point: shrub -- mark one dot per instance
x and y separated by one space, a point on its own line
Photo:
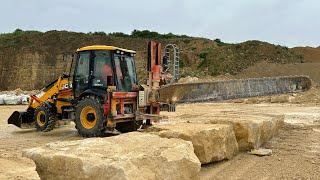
144 34
154 35
118 34
99 33
18 32
219 42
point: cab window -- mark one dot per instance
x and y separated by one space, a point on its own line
125 71
131 69
102 69
82 74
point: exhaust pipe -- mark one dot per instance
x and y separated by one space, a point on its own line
21 119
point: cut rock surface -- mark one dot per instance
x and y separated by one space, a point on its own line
211 142
252 130
128 156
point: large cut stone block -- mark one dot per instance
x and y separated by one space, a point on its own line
211 142
251 130
128 156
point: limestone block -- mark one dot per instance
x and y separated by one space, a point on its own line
211 142
127 156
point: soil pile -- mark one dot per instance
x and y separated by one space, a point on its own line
310 54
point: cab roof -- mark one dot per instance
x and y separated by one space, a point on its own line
104 47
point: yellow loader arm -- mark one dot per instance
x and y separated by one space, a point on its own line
46 94
55 89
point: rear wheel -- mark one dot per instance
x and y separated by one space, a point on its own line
90 121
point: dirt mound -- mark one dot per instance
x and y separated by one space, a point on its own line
310 54
235 58
265 69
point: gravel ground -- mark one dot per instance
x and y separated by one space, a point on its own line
296 150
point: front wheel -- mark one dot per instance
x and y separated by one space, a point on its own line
44 119
90 121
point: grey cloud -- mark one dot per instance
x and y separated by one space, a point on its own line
286 22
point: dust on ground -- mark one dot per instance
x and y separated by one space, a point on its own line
296 151
14 140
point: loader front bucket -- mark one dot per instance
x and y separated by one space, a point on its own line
21 119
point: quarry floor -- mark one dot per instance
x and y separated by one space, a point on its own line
296 150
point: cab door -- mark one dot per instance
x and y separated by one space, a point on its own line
125 72
81 78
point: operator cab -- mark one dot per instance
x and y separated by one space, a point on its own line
99 67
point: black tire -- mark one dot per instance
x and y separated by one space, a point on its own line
44 119
90 123
129 126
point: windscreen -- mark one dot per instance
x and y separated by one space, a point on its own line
102 69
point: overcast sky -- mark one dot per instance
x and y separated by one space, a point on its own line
285 22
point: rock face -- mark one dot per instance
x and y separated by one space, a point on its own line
252 130
128 156
211 142
30 59
31 70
